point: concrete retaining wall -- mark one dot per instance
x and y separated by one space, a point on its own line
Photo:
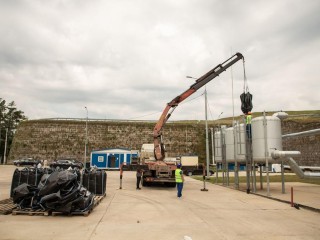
48 139
52 139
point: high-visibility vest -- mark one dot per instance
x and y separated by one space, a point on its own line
248 119
178 176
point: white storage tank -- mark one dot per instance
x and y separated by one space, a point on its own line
229 141
264 141
235 136
217 147
240 132
218 143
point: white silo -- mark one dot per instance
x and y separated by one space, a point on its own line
235 136
219 141
240 132
266 137
217 147
229 141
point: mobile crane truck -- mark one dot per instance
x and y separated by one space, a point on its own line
160 171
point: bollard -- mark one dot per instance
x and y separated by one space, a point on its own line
292 205
204 180
121 171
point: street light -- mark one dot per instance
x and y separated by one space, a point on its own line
219 119
7 129
207 134
206 121
221 145
192 77
86 141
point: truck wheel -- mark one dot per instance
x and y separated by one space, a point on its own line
170 184
144 183
189 174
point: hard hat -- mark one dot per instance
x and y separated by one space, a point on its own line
178 165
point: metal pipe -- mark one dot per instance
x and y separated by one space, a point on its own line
5 148
254 182
236 169
86 140
248 159
207 134
212 145
266 151
292 197
261 182
282 178
283 154
302 134
297 170
222 155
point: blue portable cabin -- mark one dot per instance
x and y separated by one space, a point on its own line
112 158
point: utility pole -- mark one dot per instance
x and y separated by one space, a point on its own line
86 141
5 148
212 144
7 130
207 135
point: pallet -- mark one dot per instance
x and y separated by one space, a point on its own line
96 201
31 212
85 213
6 206
82 213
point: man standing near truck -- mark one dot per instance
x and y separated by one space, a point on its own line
138 174
179 180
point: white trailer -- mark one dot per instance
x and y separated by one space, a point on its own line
189 160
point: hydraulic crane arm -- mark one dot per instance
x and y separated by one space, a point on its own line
159 150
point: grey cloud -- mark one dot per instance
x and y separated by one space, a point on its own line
124 58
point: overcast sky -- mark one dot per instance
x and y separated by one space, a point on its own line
125 59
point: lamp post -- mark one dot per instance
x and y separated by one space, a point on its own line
207 134
86 141
222 146
5 148
219 117
206 121
11 109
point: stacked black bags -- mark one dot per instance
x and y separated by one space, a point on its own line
95 181
58 191
29 176
61 192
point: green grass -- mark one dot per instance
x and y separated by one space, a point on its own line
275 178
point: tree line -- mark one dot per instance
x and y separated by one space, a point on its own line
10 117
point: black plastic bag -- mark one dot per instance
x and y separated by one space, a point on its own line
30 176
95 181
246 102
56 181
24 192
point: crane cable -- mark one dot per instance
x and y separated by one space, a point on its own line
245 82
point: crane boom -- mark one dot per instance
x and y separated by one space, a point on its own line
159 149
